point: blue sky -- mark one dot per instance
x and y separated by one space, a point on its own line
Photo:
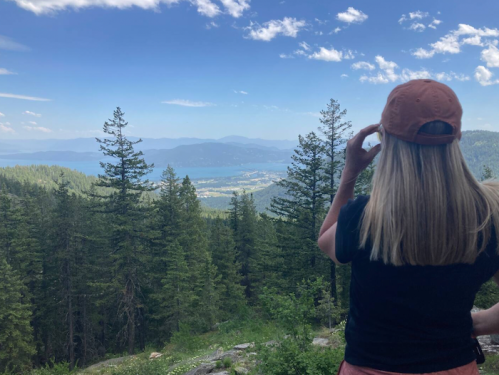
212 68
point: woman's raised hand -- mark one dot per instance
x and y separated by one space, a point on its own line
358 159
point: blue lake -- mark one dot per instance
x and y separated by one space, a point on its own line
93 168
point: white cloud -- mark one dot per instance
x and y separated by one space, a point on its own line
491 56
300 52
240 92
414 15
1 114
212 25
305 46
484 76
284 56
416 26
474 41
363 65
344 75
188 103
422 53
32 122
336 31
379 78
387 73
9 44
5 128
348 55
24 97
434 23
452 42
388 67
327 55
32 114
205 7
4 71
236 8
287 27
352 15
37 128
464 29
418 15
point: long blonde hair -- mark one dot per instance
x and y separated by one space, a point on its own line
426 208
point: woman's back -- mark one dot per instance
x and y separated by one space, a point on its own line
410 319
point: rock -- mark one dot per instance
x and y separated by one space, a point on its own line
252 353
219 355
241 371
155 355
270 343
203 369
320 341
494 339
220 373
244 346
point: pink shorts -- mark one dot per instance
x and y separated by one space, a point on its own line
348 369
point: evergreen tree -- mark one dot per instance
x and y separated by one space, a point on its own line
336 132
243 218
487 173
178 294
268 261
222 249
305 207
194 241
127 231
16 334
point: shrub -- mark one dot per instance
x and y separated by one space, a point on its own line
227 362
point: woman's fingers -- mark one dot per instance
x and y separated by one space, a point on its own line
359 139
371 154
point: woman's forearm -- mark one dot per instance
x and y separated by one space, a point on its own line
486 322
344 193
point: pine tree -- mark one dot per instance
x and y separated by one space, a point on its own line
487 173
194 241
336 132
305 207
222 249
16 334
268 261
127 230
243 218
178 294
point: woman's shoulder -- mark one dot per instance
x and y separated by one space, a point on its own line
356 205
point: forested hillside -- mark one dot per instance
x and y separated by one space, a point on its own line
47 176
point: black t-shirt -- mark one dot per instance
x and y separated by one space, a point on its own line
408 319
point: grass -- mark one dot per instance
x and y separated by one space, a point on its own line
491 365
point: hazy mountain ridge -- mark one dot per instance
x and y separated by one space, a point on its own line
90 144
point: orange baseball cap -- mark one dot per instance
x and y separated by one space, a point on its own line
417 102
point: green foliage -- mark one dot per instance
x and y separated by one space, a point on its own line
184 340
491 365
227 362
218 364
16 334
290 357
61 368
488 295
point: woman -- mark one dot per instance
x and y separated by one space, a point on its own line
420 246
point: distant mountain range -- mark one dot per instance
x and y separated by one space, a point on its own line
90 144
479 148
